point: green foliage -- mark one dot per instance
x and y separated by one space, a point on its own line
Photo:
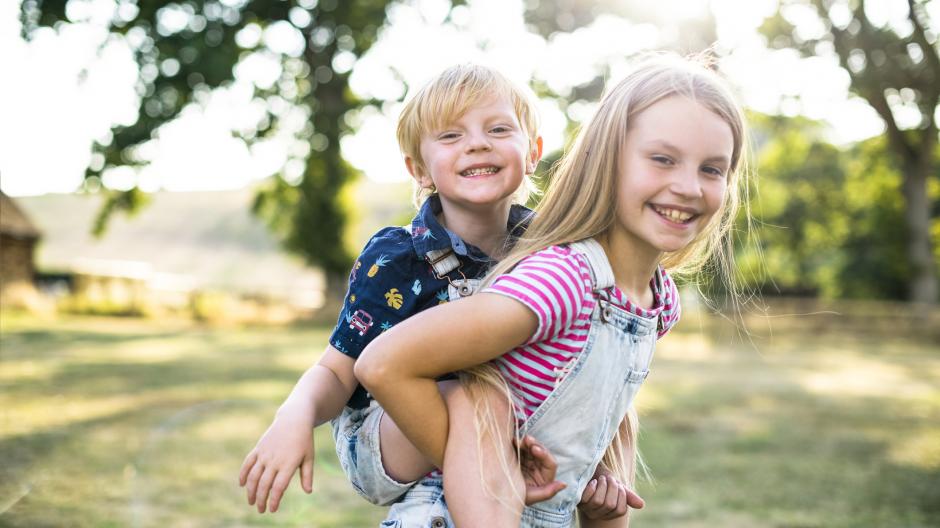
830 222
892 66
179 66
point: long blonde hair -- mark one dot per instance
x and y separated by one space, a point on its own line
581 202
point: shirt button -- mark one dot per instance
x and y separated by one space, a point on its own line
438 522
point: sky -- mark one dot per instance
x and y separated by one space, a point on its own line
59 94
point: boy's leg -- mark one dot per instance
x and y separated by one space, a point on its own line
359 447
481 494
400 458
380 462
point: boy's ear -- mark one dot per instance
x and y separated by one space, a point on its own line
534 156
414 168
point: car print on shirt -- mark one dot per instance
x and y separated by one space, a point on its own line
361 321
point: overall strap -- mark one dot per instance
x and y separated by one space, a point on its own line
443 261
601 272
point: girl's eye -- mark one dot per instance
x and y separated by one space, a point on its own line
713 171
500 129
662 160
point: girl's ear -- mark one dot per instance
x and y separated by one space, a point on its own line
534 156
418 173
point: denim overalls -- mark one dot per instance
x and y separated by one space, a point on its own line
580 417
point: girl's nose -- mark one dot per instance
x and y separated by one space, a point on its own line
687 184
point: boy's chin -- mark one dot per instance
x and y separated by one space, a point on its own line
480 200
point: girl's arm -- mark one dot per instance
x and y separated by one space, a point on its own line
399 368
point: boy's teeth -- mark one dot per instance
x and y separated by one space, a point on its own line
477 172
673 214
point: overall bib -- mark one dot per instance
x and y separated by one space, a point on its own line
580 417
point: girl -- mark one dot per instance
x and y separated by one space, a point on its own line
470 139
650 184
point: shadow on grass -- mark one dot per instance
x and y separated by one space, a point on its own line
728 444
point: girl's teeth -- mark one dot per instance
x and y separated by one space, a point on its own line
477 172
674 215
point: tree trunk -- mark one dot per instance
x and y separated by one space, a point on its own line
923 282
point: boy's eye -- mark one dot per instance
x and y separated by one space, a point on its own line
500 129
448 135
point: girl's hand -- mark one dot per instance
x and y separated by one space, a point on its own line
268 468
606 498
538 470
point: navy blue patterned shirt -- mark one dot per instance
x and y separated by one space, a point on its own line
392 279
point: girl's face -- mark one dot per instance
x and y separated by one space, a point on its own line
673 170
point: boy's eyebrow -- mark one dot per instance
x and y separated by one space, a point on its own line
662 143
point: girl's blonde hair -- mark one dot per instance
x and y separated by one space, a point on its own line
581 201
450 95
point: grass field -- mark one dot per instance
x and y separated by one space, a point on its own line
122 422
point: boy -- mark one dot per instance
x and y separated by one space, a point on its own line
469 139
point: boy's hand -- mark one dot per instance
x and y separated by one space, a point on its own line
606 498
538 470
268 468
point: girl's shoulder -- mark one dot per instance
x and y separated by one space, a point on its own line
557 255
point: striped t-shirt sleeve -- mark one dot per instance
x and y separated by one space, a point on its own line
551 283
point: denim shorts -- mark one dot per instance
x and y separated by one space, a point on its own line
422 507
356 433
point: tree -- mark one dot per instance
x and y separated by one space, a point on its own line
895 68
186 48
801 208
831 221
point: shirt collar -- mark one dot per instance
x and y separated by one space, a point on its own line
427 234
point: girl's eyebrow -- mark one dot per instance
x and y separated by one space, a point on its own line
663 144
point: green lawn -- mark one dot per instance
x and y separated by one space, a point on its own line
122 422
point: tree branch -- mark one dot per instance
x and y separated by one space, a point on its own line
920 35
872 92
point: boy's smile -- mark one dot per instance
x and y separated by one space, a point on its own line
477 159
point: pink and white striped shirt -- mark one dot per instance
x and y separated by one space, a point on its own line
555 284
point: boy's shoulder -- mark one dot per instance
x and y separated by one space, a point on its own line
390 246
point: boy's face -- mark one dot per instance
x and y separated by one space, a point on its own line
479 158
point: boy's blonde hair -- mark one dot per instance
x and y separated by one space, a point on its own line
581 201
451 94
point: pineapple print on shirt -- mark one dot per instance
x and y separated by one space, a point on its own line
379 263
442 296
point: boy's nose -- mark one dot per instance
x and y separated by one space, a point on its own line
477 142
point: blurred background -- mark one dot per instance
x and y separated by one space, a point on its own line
185 185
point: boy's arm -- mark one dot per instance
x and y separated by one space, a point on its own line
399 368
319 396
